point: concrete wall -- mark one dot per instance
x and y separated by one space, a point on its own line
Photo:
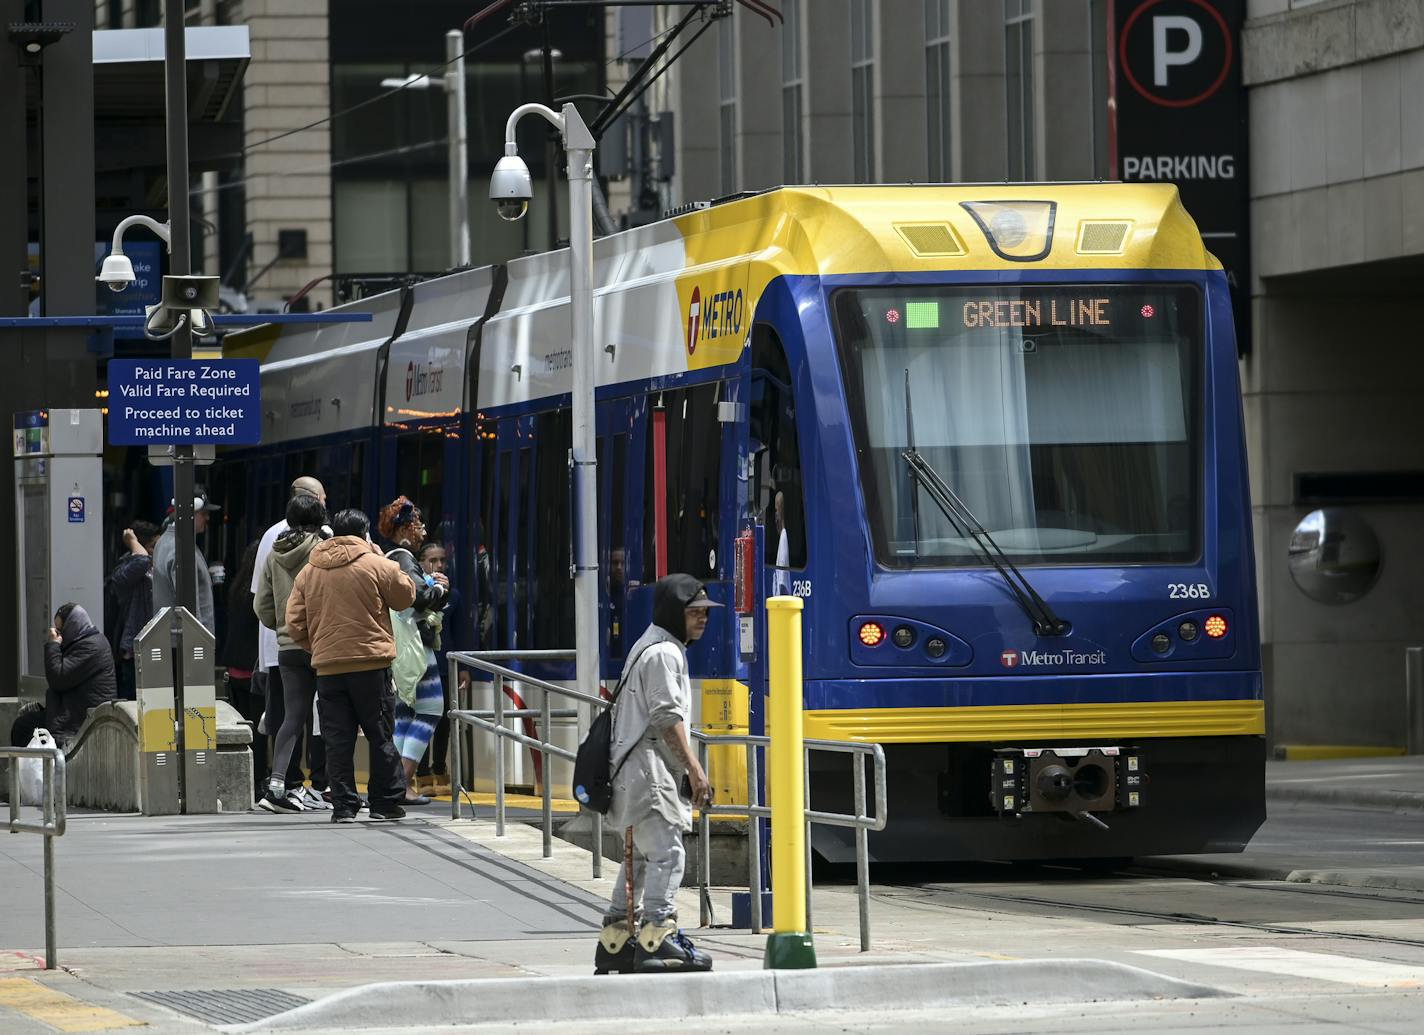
1336 380
288 186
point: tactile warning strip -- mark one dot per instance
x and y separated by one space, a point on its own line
226 1005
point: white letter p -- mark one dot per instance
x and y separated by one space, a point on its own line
1162 58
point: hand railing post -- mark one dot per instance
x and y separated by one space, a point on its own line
862 852
499 756
53 778
704 850
453 763
548 786
806 769
753 839
597 845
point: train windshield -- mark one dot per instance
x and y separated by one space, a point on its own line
1065 418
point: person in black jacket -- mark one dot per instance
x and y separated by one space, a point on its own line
79 665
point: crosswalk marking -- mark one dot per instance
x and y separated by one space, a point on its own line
59 1011
1271 959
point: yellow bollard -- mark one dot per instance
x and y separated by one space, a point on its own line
790 946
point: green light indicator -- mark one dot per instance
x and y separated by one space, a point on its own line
922 315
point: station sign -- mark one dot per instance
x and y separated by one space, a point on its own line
184 402
1179 116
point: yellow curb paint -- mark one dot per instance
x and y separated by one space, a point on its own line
61 1012
1322 752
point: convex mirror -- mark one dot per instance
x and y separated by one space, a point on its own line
1334 556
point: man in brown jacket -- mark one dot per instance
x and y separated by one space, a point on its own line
337 612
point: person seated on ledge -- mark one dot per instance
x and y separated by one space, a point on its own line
79 665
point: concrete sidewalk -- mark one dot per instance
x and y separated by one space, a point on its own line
1384 783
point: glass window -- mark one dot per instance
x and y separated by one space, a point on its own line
693 473
862 89
486 610
791 88
777 487
551 583
1018 87
937 74
727 85
1063 417
420 475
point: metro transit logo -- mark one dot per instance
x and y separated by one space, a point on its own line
1009 659
694 320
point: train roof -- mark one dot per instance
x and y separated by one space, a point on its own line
651 280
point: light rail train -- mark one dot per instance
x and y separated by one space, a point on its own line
991 435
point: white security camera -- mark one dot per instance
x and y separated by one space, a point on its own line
511 187
117 272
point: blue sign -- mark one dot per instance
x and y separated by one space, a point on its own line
184 402
76 510
147 287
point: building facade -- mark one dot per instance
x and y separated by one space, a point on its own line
993 90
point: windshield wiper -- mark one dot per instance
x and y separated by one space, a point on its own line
1045 622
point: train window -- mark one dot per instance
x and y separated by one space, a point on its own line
420 475
552 611
486 609
615 560
692 471
1066 417
777 485
500 557
521 531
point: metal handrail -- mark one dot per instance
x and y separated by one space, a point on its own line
756 812
52 803
492 721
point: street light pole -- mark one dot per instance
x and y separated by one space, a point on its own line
459 162
579 144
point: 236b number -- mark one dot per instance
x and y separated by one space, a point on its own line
1188 591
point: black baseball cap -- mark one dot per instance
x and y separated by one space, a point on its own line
701 599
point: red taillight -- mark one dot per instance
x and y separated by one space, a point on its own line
1215 627
872 634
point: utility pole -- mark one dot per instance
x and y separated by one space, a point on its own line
175 61
459 161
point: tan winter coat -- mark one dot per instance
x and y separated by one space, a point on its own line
338 608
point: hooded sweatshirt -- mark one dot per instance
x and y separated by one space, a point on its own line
274 586
338 607
656 696
80 672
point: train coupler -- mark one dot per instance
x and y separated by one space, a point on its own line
1075 781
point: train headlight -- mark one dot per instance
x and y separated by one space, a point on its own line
904 636
1215 627
935 647
1161 643
1188 631
872 634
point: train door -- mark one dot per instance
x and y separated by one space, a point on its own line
620 502
777 491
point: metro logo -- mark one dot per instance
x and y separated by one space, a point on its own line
719 316
694 320
1009 659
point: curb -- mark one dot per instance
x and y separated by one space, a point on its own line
420 1004
1396 801
1404 879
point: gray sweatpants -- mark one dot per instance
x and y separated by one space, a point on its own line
658 861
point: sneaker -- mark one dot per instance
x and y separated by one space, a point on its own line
343 817
295 797
616 950
269 803
313 801
674 953
387 812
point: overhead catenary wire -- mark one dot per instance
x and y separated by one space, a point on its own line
370 156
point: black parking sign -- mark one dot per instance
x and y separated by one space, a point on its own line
1179 116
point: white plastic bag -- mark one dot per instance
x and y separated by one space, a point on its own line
32 770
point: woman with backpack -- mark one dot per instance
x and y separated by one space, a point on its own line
418 707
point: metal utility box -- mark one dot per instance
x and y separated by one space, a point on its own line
59 491
157 731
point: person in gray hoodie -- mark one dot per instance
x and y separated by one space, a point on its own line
305 517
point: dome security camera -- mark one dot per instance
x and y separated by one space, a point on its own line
511 187
117 272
